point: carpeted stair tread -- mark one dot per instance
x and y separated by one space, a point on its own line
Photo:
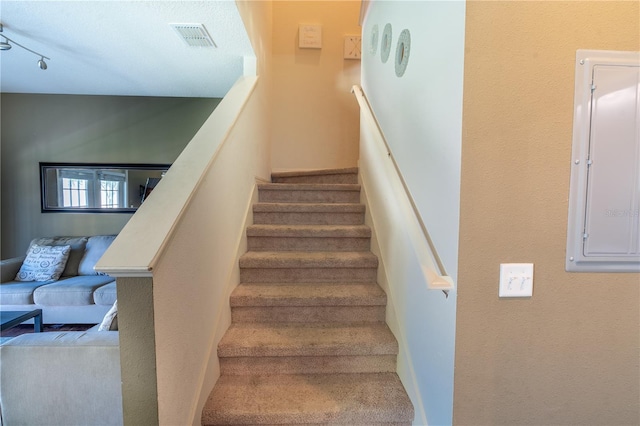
276 259
308 208
313 339
308 295
308 213
308 193
309 186
314 398
309 231
348 175
319 172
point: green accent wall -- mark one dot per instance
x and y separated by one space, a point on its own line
71 128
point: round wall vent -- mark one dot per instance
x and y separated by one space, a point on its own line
385 48
402 52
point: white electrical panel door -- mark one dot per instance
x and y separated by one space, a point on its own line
604 211
611 223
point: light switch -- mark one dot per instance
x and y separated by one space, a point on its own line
516 280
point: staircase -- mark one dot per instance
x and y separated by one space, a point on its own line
308 343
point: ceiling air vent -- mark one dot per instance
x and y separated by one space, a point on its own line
195 35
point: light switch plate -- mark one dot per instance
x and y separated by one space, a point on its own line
516 280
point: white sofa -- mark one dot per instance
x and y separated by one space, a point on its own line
80 296
61 378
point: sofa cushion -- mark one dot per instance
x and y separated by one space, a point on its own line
105 295
70 291
43 263
96 246
77 244
62 378
19 293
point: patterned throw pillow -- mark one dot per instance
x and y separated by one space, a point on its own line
43 263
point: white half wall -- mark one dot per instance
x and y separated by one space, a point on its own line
420 115
422 320
421 112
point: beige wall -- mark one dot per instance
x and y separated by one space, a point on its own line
569 354
315 118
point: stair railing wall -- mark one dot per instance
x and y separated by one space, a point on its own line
432 267
421 319
178 259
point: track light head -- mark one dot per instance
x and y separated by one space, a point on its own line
4 45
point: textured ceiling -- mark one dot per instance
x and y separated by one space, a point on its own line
121 48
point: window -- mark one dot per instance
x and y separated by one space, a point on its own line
75 192
85 188
109 191
112 189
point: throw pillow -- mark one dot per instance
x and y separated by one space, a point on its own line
96 246
110 320
77 244
43 263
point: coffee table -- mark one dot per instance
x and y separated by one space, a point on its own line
9 319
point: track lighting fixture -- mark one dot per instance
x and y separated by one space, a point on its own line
4 45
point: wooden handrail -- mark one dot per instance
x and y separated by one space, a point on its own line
437 279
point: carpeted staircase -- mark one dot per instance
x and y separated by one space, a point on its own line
308 343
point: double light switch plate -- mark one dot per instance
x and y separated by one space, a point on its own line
516 280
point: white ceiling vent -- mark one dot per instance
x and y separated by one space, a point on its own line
195 35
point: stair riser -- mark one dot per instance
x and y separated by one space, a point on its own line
349 178
285 218
338 294
307 275
306 314
333 424
319 196
308 365
310 350
364 419
371 417
308 244
290 260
